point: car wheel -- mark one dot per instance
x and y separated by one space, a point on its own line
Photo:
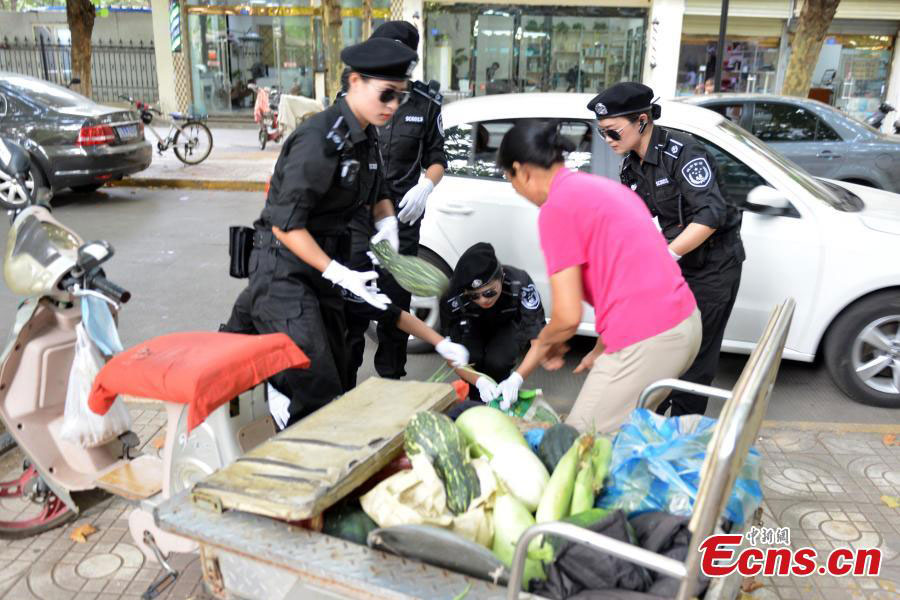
862 350
425 308
87 189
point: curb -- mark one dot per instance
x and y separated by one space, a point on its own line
823 426
191 184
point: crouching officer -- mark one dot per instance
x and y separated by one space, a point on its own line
411 142
680 183
494 311
326 171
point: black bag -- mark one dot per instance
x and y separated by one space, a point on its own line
240 244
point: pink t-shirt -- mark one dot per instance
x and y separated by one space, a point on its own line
634 285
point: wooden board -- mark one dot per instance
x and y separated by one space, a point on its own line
314 463
136 479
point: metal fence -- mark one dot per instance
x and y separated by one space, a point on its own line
116 67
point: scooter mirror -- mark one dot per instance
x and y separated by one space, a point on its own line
92 254
14 160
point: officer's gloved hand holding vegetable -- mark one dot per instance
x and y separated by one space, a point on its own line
361 284
388 229
412 207
455 354
509 389
487 389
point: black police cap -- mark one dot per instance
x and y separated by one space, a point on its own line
622 99
381 58
402 31
475 268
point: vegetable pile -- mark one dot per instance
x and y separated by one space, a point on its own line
494 486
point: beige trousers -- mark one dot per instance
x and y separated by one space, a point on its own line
616 380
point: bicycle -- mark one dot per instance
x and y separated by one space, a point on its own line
191 141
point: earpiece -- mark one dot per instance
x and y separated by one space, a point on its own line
642 126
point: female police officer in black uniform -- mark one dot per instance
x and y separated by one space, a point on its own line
679 182
412 141
328 168
494 311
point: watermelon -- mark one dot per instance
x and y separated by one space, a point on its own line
415 275
349 522
555 443
435 436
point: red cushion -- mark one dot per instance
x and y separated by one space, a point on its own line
201 369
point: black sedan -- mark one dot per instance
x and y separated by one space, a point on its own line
73 141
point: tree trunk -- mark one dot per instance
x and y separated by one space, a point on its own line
80 15
812 25
334 42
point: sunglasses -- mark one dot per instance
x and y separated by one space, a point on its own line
486 294
611 134
388 95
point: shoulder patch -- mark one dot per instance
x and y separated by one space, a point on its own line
440 124
697 172
531 299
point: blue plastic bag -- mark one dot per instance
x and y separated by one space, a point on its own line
534 438
100 325
656 464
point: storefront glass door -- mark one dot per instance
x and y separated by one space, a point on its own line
494 64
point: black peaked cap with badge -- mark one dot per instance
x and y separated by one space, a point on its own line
475 268
402 31
622 99
381 58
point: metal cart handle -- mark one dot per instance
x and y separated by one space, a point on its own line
682 386
604 543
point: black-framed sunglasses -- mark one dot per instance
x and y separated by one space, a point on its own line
388 95
486 294
611 134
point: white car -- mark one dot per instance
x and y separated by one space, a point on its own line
834 247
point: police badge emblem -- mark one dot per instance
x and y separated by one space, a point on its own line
476 283
697 172
600 109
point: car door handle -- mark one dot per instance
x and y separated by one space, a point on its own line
455 209
827 154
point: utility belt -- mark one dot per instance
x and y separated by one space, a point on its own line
242 240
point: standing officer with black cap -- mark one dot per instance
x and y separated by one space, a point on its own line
412 141
680 183
326 171
494 311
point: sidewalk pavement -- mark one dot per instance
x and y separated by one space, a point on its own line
235 163
833 485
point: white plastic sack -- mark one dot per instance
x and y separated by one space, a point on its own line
81 425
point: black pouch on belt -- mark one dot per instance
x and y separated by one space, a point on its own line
240 244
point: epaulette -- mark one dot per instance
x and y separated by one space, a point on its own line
671 147
430 90
338 137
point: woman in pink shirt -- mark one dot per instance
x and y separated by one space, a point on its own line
601 246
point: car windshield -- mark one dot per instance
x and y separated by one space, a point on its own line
46 93
833 195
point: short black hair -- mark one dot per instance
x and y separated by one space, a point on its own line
533 141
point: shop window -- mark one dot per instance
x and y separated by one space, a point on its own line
739 178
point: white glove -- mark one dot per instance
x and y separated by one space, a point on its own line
509 388
388 229
279 406
675 255
455 353
488 390
412 207
361 284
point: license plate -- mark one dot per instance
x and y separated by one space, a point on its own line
127 132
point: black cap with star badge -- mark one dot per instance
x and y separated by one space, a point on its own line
381 58
624 99
402 31
476 267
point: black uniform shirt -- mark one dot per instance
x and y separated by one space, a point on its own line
519 301
413 140
680 183
326 170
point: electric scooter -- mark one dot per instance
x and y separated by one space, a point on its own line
270 129
50 265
